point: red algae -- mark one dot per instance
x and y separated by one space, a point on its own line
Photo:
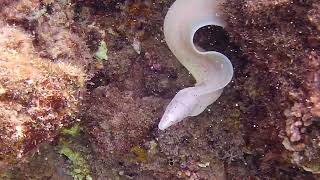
37 97
236 138
281 40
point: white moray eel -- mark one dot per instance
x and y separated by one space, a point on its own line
211 70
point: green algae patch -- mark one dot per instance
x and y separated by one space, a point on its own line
141 154
101 54
71 147
80 168
73 131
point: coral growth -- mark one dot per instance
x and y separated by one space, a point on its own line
37 96
117 137
282 39
57 36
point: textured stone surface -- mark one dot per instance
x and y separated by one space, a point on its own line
281 39
37 97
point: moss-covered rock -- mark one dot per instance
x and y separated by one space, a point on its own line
281 40
37 97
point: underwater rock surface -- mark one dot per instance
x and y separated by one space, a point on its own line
281 38
37 97
235 138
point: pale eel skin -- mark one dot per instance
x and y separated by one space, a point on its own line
211 70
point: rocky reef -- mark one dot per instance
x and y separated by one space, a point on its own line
262 127
281 38
37 97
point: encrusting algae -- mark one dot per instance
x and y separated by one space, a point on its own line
236 138
281 38
37 97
